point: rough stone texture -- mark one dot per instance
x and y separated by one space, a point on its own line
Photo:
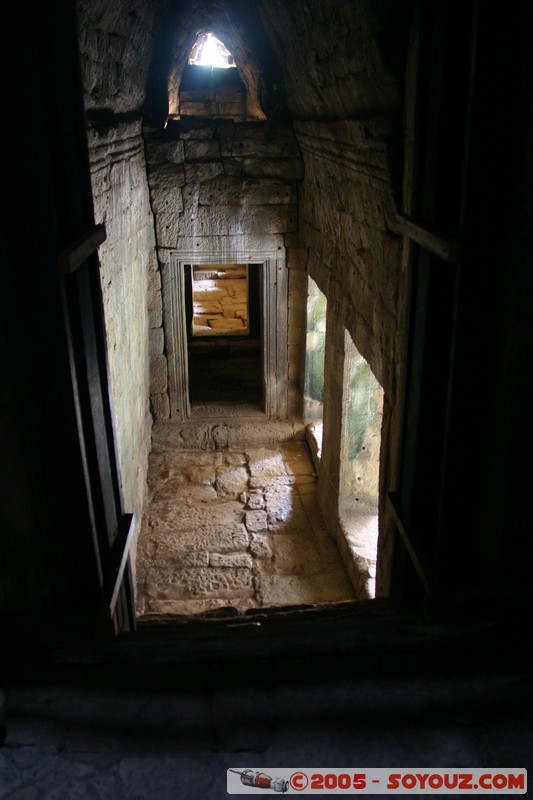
115 50
217 186
339 59
347 207
221 433
214 183
121 202
79 734
219 531
157 341
220 196
158 374
160 406
347 211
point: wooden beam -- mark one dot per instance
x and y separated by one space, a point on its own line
114 571
74 256
441 246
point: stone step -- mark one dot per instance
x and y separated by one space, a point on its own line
250 427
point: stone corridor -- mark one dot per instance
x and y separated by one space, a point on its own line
233 527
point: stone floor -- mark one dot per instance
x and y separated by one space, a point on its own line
238 527
172 735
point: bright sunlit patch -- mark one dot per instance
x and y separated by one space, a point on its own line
208 51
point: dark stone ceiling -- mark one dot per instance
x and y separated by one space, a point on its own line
305 59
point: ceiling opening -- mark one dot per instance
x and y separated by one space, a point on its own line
209 51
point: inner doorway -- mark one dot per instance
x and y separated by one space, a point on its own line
272 286
223 322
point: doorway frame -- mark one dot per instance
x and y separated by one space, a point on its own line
274 339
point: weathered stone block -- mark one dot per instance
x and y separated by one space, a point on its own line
158 374
200 559
200 172
202 150
224 516
198 108
290 169
223 244
258 482
231 481
255 501
196 96
265 463
168 224
256 521
167 200
223 582
236 111
207 537
193 129
230 94
155 316
184 493
282 590
282 505
154 300
158 152
160 406
233 167
166 176
243 560
265 141
228 221
261 547
157 341
232 191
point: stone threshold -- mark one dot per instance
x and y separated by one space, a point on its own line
209 431
201 411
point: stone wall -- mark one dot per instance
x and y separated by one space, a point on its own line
347 210
115 48
343 67
228 102
347 213
121 202
115 44
221 190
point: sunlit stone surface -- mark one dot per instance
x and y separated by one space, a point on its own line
238 528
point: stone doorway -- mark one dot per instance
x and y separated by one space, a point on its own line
265 343
224 334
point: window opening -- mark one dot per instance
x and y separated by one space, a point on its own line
314 366
209 51
210 84
362 413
